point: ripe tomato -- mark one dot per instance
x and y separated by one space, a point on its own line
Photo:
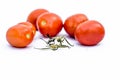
49 24
32 17
71 23
90 32
19 35
28 24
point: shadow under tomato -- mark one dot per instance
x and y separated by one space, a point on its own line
13 47
82 45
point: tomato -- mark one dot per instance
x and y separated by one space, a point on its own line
49 24
19 35
89 33
28 24
71 23
32 17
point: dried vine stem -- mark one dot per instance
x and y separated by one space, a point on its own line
56 42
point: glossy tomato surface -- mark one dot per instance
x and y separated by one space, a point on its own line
19 36
32 17
71 23
30 25
49 24
89 33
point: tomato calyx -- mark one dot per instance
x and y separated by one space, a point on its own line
56 42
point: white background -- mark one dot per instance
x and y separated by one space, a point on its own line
100 62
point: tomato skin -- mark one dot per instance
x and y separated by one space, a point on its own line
89 33
71 23
32 17
28 24
19 36
49 24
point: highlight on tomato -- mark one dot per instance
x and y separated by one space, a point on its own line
71 23
49 24
19 35
30 25
32 17
89 33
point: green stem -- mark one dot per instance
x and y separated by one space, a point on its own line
68 42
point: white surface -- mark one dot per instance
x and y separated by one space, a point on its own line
101 62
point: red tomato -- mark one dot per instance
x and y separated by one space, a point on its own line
19 35
71 23
28 24
32 17
90 32
49 24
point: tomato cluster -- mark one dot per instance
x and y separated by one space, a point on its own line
78 26
85 31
